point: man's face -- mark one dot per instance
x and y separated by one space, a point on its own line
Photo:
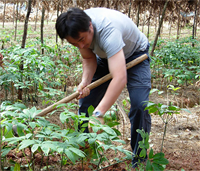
85 39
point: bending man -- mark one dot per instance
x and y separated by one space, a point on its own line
107 40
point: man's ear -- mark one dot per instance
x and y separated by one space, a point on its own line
90 26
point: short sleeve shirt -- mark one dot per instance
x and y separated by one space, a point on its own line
114 31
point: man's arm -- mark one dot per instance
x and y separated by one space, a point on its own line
89 66
117 67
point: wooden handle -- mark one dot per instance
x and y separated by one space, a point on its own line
90 86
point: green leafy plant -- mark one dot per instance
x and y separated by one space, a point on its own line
176 61
165 112
155 161
44 138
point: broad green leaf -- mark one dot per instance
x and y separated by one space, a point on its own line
63 117
109 130
120 141
173 108
20 105
90 110
41 136
20 128
162 161
81 139
55 135
28 135
77 152
50 144
106 147
26 143
13 140
153 90
35 147
151 154
45 149
61 105
32 125
8 134
112 124
158 155
91 140
5 151
157 167
143 153
17 167
148 166
186 110
117 131
153 110
70 155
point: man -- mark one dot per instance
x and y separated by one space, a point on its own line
107 40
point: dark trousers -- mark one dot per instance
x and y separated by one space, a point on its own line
138 85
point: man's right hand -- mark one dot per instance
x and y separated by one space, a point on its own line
83 90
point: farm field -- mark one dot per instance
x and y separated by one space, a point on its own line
59 72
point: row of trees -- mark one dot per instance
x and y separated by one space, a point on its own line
178 13
149 9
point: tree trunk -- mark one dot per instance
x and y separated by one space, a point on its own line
149 19
138 14
159 19
194 24
57 17
129 11
160 25
197 18
75 3
144 17
4 12
178 23
36 15
42 28
108 4
116 4
170 25
19 11
61 10
26 24
23 45
16 19
95 3
13 14
102 3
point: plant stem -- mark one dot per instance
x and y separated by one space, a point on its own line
113 164
99 162
165 130
62 159
23 151
41 162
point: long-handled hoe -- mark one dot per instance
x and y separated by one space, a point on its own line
90 86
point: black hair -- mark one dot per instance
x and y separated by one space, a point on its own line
72 22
